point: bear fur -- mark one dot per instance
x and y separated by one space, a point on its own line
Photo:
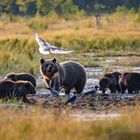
67 75
130 81
21 76
110 81
19 89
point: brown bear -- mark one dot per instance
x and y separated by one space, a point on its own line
67 75
21 76
10 89
130 81
110 81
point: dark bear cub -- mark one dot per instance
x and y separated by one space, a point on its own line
110 81
130 81
67 75
10 89
21 76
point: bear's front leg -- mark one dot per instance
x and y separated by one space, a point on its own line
47 82
25 100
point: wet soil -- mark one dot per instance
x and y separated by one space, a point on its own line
93 102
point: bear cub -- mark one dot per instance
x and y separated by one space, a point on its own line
67 75
130 81
10 89
21 76
110 81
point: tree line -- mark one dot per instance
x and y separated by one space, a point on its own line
63 7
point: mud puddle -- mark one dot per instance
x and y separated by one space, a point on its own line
90 116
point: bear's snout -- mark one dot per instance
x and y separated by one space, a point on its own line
33 91
49 69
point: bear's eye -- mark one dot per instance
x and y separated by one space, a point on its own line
46 65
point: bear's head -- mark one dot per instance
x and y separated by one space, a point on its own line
48 68
123 79
22 88
104 83
11 76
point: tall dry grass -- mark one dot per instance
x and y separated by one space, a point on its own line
36 123
118 34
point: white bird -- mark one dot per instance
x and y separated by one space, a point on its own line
46 48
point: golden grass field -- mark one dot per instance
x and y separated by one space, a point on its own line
35 123
118 34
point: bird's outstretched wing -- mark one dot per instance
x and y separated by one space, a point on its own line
57 50
44 51
46 48
41 42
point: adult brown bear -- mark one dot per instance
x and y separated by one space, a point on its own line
130 81
67 75
10 89
110 81
21 76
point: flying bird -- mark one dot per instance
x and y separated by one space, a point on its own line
46 48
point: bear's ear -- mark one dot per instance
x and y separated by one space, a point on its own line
105 79
42 61
54 60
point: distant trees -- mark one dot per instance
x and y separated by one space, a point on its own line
109 5
26 7
43 6
7 7
63 7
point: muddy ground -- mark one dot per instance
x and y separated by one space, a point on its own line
95 101
88 107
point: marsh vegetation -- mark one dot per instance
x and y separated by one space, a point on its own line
18 43
117 35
